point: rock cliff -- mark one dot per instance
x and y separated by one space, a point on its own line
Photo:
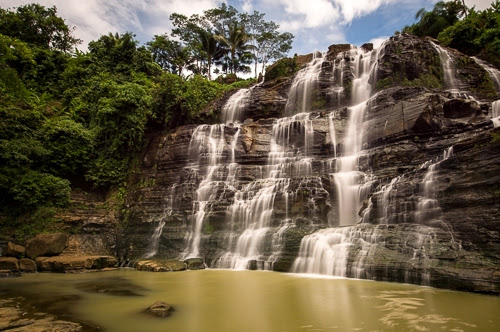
269 191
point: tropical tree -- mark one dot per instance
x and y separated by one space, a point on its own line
37 25
443 15
170 54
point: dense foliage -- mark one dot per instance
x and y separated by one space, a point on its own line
455 25
71 119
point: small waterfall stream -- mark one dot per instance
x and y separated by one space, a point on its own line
495 113
303 86
493 72
450 81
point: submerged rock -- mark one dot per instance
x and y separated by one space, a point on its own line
160 309
111 286
46 245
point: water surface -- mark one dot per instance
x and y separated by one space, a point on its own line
222 300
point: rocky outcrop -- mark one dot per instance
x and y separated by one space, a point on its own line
9 264
46 245
160 266
14 250
75 263
195 264
27 265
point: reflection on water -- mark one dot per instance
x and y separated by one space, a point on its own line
221 300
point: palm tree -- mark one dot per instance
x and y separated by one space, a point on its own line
210 46
236 45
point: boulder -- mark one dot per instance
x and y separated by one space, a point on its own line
14 250
195 263
27 265
9 264
461 108
46 245
75 263
160 309
160 265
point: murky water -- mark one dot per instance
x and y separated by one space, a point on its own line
222 300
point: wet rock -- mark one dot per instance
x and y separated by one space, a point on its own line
16 315
461 108
367 47
14 250
46 245
9 264
112 286
195 263
252 264
160 265
27 265
160 309
75 263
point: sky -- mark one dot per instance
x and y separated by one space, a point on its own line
316 24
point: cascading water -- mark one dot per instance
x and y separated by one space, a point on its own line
208 147
155 238
450 81
428 206
338 76
348 179
493 72
326 251
233 110
253 205
495 113
303 86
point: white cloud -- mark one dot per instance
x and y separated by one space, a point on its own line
93 18
378 41
480 4
247 6
308 14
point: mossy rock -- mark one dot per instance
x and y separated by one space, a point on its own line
285 67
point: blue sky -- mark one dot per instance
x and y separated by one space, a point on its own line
316 24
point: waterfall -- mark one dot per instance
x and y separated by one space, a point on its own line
327 251
331 131
253 206
495 113
493 72
233 109
450 81
167 212
348 179
384 212
208 147
428 206
338 76
304 85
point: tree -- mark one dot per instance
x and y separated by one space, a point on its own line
37 25
236 46
171 55
443 15
268 43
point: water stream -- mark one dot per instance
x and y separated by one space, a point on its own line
450 81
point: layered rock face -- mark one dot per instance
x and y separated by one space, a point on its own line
365 163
